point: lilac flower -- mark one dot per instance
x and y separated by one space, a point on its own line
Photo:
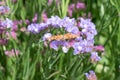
11 53
46 36
80 5
70 43
87 46
91 75
75 7
64 44
69 25
54 21
4 9
70 9
27 21
82 46
35 18
7 23
14 1
23 29
34 28
12 34
2 30
77 48
50 2
44 16
56 44
2 3
43 26
66 22
3 41
87 24
72 29
15 25
88 28
65 49
94 57
99 48
56 1
20 22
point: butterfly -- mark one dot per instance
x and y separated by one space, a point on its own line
66 36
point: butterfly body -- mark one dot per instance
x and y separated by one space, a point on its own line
66 36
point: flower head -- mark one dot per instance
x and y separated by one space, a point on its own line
44 16
3 41
4 9
7 23
54 21
35 18
46 36
91 75
94 57
80 5
34 28
11 53
70 9
99 48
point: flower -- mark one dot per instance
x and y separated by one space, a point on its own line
55 44
2 3
77 48
65 49
2 30
70 9
80 5
75 7
46 36
82 45
94 57
34 28
7 23
54 21
83 28
88 28
91 75
27 21
4 9
56 1
3 41
35 18
14 1
99 48
12 34
50 2
44 16
11 53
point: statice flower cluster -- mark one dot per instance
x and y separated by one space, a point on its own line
83 42
55 22
36 28
8 29
4 10
75 7
7 23
51 1
91 75
12 52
